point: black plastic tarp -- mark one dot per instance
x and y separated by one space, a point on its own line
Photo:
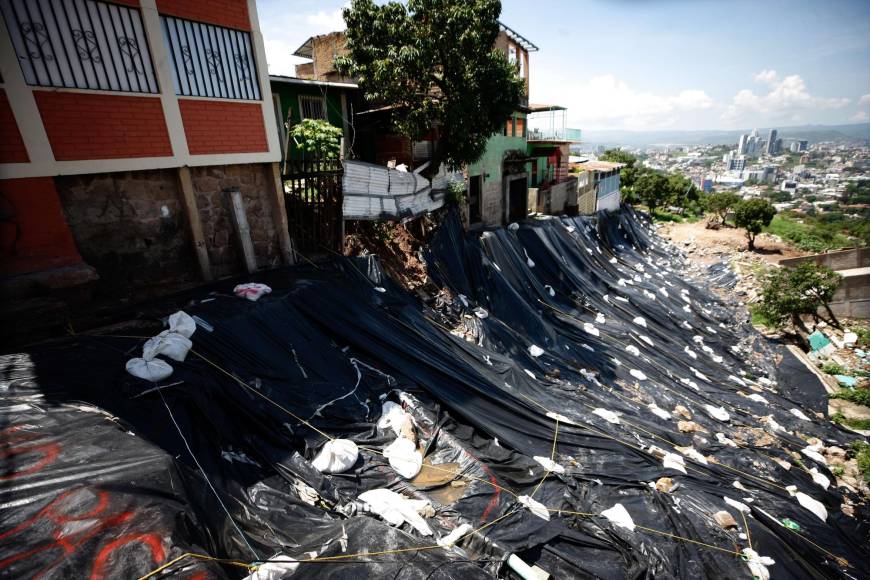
552 327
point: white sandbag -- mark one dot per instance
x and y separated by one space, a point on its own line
590 328
404 457
692 453
396 509
820 478
812 452
738 505
451 538
813 505
549 464
150 370
758 564
182 323
619 516
639 375
274 570
674 461
799 414
393 416
717 412
658 411
337 456
536 350
608 416
721 438
633 350
169 344
535 507
640 321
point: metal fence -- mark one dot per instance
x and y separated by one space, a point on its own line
313 198
80 44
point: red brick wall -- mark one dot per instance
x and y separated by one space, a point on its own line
37 236
229 13
12 148
88 126
223 127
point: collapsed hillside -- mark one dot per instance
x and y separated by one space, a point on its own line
578 400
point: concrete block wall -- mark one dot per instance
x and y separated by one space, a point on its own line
842 260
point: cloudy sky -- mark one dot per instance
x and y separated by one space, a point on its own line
664 64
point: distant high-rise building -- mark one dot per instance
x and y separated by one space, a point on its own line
735 162
749 144
771 142
741 144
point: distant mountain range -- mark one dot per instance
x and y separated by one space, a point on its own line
812 133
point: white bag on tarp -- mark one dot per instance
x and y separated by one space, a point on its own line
404 457
396 509
337 456
182 323
393 416
169 344
150 370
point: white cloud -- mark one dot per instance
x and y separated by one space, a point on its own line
861 117
864 100
786 99
327 20
607 100
767 76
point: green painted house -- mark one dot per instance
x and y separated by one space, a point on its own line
295 99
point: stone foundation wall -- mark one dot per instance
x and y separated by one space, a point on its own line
131 228
256 184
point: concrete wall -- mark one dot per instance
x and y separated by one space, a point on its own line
842 260
555 199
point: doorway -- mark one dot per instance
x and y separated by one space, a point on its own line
475 187
517 198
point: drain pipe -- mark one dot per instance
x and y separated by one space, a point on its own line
525 571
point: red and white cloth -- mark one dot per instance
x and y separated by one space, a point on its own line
252 291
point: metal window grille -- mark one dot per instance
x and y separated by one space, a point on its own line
210 61
80 44
312 107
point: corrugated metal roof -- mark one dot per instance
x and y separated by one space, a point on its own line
373 192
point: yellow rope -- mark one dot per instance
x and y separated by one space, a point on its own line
746 527
198 557
259 394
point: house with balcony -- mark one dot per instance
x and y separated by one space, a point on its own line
552 189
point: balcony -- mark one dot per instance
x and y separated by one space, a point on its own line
548 123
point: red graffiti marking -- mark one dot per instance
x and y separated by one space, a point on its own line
152 541
12 448
68 526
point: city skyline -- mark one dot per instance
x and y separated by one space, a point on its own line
657 65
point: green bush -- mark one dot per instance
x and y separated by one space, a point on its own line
861 452
859 396
833 369
814 235
317 137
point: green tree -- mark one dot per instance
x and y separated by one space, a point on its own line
652 189
317 137
753 216
787 293
435 60
721 202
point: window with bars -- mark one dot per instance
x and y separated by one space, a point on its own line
80 44
210 61
312 107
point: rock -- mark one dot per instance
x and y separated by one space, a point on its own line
848 510
688 426
834 451
664 484
681 410
725 520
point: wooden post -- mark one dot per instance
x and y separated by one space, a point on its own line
279 216
243 230
188 197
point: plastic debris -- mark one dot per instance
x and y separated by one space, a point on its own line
607 415
451 538
535 507
396 509
757 564
251 291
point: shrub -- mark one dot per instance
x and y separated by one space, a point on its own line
833 369
317 137
858 396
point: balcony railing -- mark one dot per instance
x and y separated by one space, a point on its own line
562 134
